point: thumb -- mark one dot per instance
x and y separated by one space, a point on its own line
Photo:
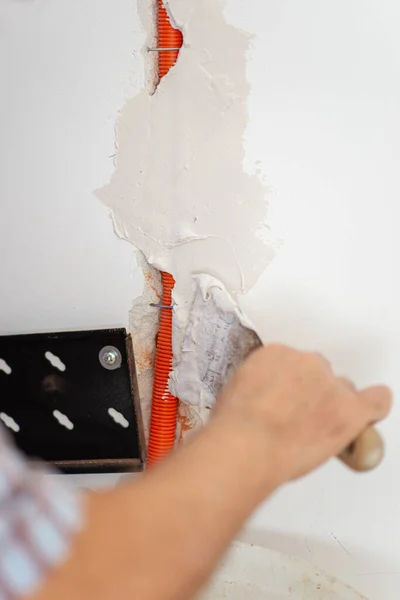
379 401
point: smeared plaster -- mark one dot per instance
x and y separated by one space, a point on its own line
179 191
217 338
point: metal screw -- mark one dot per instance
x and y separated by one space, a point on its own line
110 358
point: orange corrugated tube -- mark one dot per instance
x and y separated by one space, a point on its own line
168 37
164 405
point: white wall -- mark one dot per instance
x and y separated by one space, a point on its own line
324 124
66 68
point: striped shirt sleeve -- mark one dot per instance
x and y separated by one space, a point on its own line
39 517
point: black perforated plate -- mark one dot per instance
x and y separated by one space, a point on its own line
84 392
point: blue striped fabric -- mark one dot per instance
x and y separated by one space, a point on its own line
38 518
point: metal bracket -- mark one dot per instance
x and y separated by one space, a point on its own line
71 399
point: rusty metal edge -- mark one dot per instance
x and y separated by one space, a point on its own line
124 465
135 392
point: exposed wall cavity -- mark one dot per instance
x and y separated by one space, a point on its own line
179 192
143 325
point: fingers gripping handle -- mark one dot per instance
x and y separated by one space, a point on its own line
366 452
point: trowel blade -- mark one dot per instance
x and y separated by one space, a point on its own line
217 340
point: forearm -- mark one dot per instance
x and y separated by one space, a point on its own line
282 414
161 537
209 490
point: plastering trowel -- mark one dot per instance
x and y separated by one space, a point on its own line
217 340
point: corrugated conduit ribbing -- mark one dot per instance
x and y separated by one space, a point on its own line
164 405
168 37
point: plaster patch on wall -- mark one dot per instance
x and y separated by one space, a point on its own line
179 192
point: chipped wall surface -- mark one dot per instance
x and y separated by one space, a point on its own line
179 191
181 194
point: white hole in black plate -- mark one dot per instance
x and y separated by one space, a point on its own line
9 422
55 362
118 418
5 367
63 420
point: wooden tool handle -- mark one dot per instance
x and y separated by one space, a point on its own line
366 452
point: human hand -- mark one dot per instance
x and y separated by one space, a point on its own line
306 414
